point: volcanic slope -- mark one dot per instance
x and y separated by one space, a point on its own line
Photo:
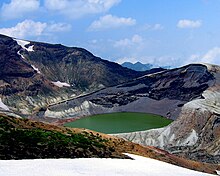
163 93
34 75
27 139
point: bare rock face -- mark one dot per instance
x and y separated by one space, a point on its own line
77 67
162 93
196 132
18 80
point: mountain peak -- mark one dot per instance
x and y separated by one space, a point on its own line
138 66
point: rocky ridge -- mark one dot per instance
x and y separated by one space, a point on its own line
162 93
34 75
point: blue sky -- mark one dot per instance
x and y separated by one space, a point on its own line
160 32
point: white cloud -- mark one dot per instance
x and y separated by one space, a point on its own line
153 27
161 61
109 21
57 4
212 57
127 59
18 8
79 8
31 28
136 39
166 60
25 28
157 27
58 27
189 24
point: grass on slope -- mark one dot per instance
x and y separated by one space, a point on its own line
20 142
121 122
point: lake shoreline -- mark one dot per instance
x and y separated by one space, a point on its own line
120 122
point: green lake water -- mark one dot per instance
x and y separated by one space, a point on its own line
120 122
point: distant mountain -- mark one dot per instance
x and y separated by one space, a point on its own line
138 66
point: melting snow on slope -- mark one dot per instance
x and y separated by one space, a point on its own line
3 106
30 48
35 68
93 167
22 43
20 55
61 84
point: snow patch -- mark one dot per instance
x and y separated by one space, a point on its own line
100 86
20 55
3 106
140 166
217 152
30 48
35 68
61 84
22 43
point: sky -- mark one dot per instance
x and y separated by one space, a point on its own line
161 32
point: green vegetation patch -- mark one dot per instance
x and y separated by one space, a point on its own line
17 142
121 122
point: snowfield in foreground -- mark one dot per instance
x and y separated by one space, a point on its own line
94 167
